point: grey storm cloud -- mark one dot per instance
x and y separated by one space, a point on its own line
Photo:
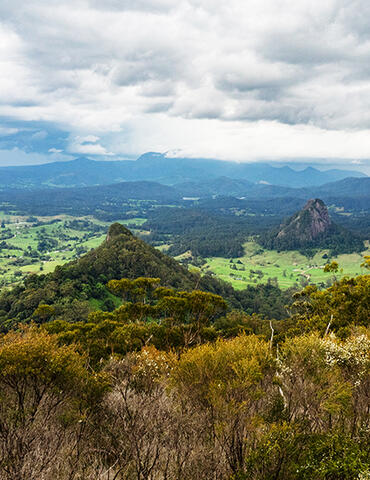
105 66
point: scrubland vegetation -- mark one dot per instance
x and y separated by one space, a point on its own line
173 384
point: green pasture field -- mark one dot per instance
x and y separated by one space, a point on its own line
134 221
25 236
289 268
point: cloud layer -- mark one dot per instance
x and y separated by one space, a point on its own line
233 79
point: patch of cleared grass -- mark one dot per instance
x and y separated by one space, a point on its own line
289 268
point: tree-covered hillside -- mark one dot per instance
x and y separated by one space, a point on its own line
78 287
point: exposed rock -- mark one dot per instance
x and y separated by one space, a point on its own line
310 222
312 228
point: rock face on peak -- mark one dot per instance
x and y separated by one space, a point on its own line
312 228
309 223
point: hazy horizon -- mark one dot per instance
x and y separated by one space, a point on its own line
297 165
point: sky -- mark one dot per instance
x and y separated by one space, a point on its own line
244 80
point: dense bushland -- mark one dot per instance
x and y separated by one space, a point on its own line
233 409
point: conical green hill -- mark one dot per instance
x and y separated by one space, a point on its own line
74 288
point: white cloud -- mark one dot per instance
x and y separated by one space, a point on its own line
88 139
90 149
235 79
16 156
239 140
40 135
88 145
8 131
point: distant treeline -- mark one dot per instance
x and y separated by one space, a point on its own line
337 240
205 234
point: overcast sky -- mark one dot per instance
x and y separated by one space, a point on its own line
238 80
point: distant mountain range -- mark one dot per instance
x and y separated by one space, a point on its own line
348 187
159 168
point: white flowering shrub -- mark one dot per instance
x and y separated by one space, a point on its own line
353 353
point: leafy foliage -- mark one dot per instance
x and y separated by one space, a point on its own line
46 390
345 303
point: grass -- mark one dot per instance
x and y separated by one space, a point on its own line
71 243
289 268
135 221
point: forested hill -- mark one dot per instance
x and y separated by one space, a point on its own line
78 287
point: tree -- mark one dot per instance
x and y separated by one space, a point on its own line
228 382
139 289
331 267
366 262
47 394
44 312
345 303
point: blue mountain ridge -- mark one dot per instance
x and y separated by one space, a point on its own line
162 169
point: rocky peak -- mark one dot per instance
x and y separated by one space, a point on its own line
310 222
312 228
320 220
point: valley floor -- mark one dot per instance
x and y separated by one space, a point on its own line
288 269
39 244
